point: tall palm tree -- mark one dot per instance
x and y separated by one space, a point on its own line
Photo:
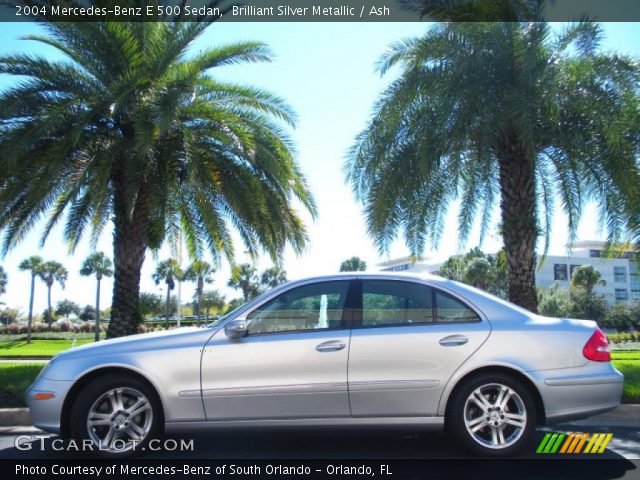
3 280
134 127
587 277
51 272
245 278
32 265
500 113
212 300
272 277
168 271
200 272
353 264
100 265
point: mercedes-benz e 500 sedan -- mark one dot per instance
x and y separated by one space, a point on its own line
356 349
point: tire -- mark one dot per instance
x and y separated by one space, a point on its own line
487 427
124 413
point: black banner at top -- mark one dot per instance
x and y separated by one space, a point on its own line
319 10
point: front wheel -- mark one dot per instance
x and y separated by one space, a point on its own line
119 414
493 415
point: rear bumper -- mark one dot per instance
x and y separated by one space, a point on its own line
571 394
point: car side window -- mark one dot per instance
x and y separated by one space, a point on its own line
391 303
450 309
309 307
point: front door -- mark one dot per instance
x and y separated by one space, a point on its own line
409 341
292 363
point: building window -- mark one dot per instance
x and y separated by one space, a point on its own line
559 271
620 274
635 294
595 253
621 294
634 276
573 269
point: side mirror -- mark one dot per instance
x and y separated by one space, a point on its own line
236 329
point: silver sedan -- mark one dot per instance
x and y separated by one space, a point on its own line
354 349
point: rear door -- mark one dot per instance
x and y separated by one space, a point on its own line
408 341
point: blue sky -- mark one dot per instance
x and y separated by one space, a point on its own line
326 73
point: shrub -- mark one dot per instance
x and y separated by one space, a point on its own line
624 337
39 327
619 317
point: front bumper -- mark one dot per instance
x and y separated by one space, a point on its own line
47 414
570 394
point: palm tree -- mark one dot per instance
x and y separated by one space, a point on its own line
587 277
3 281
245 278
168 271
500 113
353 264
132 127
212 300
200 272
476 268
32 265
100 265
272 277
51 272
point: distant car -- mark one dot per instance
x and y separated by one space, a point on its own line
349 349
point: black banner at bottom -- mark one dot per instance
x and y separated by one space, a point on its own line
319 469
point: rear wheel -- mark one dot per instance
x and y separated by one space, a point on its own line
119 414
493 415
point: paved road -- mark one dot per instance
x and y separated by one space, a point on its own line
381 445
368 443
389 443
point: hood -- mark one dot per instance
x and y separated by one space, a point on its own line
139 341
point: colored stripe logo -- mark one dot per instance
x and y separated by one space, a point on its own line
574 443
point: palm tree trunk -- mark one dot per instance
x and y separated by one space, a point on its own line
130 238
199 302
97 335
519 220
166 319
50 317
29 323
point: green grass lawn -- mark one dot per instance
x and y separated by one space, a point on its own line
631 371
626 355
14 380
37 348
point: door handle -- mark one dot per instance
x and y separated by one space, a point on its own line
453 340
330 346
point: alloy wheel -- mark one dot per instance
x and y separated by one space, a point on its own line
495 416
119 419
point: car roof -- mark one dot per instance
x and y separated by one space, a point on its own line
368 274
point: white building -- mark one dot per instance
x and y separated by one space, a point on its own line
621 275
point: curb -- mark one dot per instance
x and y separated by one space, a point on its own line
10 417
26 357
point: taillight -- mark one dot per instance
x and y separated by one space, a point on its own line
597 348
